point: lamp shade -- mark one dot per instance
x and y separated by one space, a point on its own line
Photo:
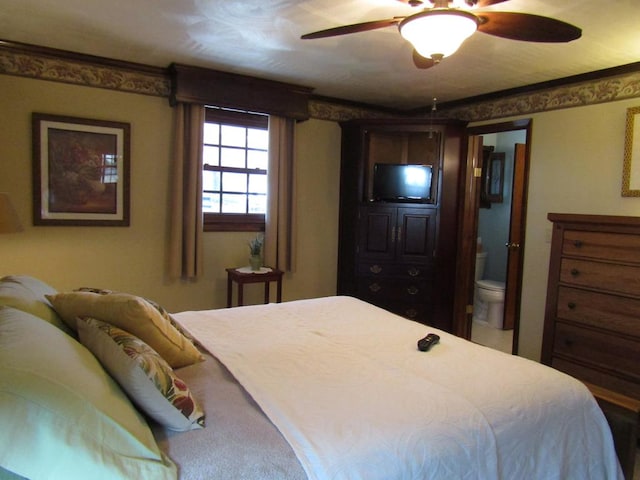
438 33
9 221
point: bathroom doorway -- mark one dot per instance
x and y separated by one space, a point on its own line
493 226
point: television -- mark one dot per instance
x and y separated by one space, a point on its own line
394 182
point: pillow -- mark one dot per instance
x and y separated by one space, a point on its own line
132 314
166 315
28 294
62 415
143 374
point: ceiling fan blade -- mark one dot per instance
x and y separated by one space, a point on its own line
354 28
486 3
526 27
422 62
470 3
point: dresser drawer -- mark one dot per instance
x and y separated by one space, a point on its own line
601 245
608 352
597 377
610 312
600 275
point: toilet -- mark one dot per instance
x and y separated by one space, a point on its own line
488 305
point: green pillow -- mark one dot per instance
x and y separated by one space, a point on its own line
28 294
62 415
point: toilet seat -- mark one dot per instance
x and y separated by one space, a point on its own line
493 285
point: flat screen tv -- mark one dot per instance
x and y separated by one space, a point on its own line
401 183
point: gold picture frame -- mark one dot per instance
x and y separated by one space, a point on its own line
631 167
80 171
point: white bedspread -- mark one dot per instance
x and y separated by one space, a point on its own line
345 384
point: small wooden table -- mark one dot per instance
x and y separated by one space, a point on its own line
264 275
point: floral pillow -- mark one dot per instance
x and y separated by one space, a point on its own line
143 374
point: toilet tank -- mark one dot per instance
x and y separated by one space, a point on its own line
481 259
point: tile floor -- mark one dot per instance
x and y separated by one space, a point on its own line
492 337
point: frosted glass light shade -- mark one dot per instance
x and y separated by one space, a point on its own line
438 33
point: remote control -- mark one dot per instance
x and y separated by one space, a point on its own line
424 344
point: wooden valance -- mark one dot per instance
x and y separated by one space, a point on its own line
222 89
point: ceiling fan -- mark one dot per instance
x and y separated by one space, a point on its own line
438 30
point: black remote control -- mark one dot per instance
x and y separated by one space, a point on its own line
424 344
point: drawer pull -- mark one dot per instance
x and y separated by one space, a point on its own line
411 313
571 306
413 290
568 342
577 243
413 271
575 272
375 287
375 269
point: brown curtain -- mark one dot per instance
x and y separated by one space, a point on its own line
279 248
185 242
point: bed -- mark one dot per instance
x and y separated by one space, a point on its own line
334 388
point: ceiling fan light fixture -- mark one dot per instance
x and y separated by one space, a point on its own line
438 33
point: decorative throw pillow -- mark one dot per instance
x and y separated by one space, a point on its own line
133 314
161 310
62 415
143 374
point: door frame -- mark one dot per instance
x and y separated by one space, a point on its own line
468 226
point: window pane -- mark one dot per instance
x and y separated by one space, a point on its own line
257 159
232 157
234 182
210 155
232 203
233 136
257 138
211 133
257 203
210 180
258 184
211 202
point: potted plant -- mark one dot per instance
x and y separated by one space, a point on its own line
255 251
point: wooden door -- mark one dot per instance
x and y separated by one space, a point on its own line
515 245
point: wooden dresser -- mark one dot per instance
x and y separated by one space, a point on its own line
592 317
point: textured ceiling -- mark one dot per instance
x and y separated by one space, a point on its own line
262 38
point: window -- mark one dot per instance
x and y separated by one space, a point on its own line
234 176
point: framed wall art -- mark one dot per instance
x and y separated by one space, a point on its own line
494 177
80 171
631 169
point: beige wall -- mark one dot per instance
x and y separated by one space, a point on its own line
576 167
132 258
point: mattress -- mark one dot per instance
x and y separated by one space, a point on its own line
335 388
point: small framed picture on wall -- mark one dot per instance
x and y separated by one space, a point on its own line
80 171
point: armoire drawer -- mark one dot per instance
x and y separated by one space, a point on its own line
600 275
394 269
609 352
602 245
395 289
609 312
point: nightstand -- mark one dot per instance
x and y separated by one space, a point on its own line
243 275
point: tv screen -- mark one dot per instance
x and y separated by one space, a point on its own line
401 183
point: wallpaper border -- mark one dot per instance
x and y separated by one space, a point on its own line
98 72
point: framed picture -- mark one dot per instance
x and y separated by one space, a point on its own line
631 168
494 177
80 171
